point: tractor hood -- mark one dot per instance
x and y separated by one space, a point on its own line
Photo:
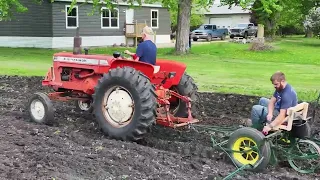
69 57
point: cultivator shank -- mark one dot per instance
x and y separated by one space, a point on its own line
164 117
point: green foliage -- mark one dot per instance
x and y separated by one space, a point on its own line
313 21
9 7
275 13
195 19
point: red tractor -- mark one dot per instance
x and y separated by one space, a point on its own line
125 96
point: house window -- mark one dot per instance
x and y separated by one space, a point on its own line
72 20
154 18
109 18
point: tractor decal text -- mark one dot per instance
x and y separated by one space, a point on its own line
80 60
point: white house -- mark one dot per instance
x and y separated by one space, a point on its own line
49 25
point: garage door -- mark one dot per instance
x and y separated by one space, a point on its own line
221 22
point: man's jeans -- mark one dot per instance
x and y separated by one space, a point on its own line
259 113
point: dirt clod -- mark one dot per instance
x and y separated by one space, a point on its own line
74 148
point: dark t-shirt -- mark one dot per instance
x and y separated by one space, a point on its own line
147 52
286 98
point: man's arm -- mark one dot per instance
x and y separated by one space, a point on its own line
285 104
271 105
279 119
139 51
135 56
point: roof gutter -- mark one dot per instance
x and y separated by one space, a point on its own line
119 3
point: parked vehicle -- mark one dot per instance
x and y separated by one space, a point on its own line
243 30
209 31
220 33
205 31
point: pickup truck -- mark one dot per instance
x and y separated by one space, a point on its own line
209 31
243 30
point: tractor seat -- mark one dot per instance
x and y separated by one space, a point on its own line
156 69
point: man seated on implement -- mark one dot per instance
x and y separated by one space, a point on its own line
274 111
146 50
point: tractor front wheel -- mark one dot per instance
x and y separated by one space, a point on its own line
40 109
248 146
125 104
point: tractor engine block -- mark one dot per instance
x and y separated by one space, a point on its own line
65 74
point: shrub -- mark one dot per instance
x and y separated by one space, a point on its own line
257 45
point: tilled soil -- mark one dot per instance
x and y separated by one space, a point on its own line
74 148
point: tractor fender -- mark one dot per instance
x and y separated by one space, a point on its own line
145 68
172 66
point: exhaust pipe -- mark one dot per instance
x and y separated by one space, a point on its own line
77 41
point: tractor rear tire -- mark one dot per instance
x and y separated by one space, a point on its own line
40 109
244 136
134 101
186 87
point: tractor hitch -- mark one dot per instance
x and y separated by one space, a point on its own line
164 117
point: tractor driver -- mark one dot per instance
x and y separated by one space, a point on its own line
147 50
273 111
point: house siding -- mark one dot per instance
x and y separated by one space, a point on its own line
144 14
36 22
90 25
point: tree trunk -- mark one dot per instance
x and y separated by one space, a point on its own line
260 35
270 28
309 33
183 28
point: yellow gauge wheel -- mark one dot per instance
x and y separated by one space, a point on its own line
255 147
250 156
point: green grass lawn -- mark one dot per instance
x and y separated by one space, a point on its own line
216 67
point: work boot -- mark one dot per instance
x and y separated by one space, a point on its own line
246 122
258 126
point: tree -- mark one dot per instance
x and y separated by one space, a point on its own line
295 13
195 20
273 13
313 21
7 7
183 9
264 12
